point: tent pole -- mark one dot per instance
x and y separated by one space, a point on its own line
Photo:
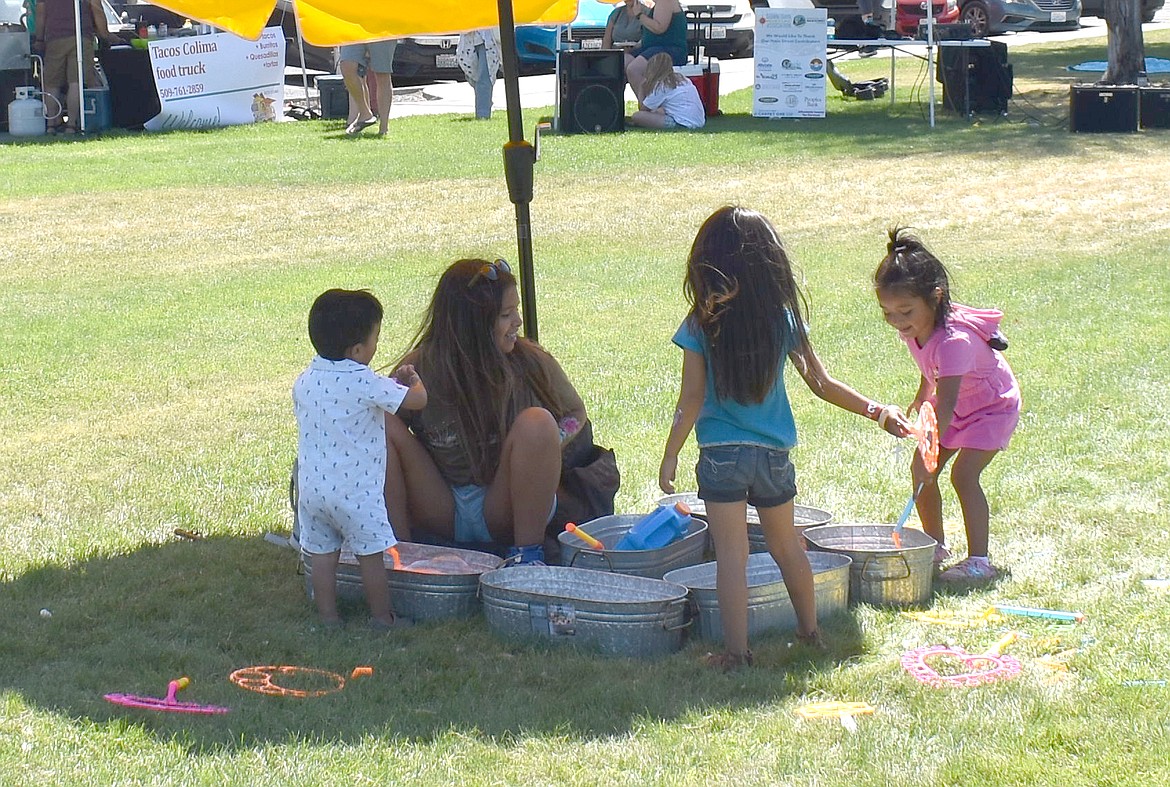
304 69
519 158
79 122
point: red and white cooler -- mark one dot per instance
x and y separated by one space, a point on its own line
706 79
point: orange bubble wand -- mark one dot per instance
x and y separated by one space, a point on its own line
926 430
588 539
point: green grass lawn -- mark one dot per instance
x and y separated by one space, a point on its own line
153 297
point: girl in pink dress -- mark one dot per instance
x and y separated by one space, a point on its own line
966 378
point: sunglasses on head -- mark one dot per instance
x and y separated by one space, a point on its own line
490 271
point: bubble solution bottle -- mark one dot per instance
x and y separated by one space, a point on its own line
655 530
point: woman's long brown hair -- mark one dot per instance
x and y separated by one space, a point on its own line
462 366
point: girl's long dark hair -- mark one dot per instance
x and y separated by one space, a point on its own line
909 267
743 296
463 368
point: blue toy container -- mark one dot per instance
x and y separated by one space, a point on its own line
654 531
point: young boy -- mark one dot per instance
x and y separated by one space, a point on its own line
341 451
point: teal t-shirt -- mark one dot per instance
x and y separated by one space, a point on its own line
728 422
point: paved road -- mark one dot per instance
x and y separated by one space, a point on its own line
540 91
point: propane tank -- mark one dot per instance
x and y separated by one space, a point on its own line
26 115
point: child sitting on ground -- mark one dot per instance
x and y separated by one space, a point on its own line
340 406
671 100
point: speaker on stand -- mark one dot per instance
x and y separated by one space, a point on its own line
976 80
592 91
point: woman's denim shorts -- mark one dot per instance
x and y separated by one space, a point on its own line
764 477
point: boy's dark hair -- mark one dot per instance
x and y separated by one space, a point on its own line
339 319
911 268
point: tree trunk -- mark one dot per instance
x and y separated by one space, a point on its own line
1127 53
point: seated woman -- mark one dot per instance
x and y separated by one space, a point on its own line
671 101
664 30
623 29
481 463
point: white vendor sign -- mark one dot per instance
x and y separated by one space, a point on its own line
790 63
217 80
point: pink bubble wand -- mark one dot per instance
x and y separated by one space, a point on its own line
166 704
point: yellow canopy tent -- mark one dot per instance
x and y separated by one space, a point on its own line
333 22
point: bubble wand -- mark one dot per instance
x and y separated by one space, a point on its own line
926 430
588 539
166 704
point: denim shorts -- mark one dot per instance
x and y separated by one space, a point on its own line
470 525
764 477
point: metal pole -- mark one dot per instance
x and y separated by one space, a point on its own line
519 158
930 55
304 70
80 121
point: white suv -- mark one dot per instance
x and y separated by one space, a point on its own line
726 28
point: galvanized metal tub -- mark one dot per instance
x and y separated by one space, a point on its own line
802 516
420 596
616 614
769 607
653 563
881 574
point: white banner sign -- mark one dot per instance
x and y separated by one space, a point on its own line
217 80
790 63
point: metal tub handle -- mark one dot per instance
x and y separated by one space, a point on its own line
871 558
587 550
669 608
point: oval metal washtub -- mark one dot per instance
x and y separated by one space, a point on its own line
615 614
769 607
803 517
453 593
881 574
653 563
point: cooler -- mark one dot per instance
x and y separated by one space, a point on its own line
334 97
706 79
97 109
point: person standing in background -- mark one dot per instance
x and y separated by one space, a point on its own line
355 61
479 57
56 41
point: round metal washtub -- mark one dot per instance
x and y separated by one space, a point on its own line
881 574
444 585
653 563
802 516
769 607
616 614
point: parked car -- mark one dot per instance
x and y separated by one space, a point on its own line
1097 8
726 29
911 13
991 17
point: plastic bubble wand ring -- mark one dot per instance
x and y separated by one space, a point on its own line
262 680
926 430
166 704
980 668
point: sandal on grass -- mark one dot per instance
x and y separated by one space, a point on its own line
728 661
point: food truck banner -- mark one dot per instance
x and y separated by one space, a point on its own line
790 63
217 80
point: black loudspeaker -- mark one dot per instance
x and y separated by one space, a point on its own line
1155 107
593 87
1096 108
975 79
